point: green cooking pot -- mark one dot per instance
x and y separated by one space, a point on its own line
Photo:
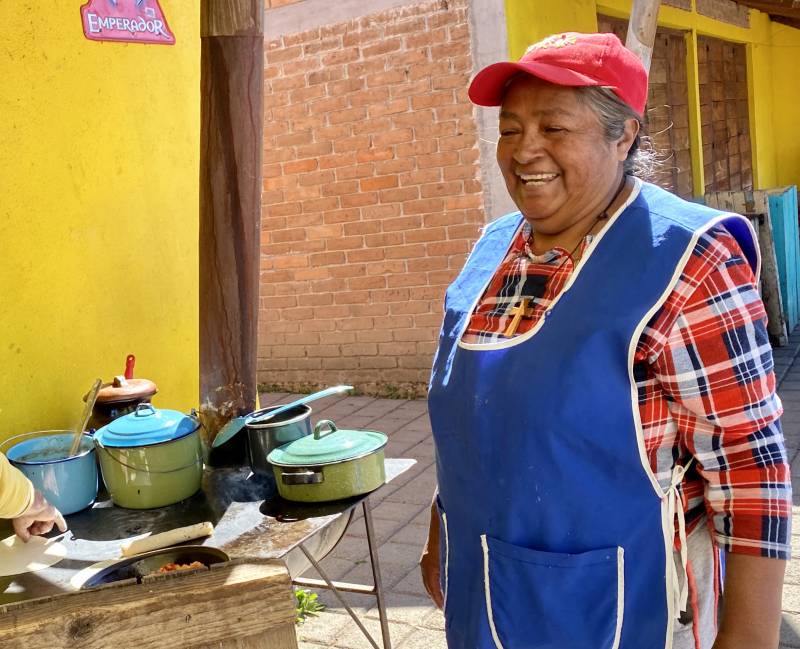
150 457
331 464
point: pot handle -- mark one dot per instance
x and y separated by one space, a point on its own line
302 477
320 425
142 407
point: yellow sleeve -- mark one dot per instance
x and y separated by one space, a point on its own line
16 491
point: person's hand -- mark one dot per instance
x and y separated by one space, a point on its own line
429 567
429 562
38 519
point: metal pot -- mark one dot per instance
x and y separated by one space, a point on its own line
263 438
330 465
68 482
150 458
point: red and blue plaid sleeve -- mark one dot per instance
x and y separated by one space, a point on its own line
716 369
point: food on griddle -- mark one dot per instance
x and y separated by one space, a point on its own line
173 567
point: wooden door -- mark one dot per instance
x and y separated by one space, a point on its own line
724 115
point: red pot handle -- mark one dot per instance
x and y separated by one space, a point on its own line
129 363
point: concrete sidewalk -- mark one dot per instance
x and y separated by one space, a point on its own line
400 510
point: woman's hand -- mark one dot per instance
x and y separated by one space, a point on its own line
429 562
39 518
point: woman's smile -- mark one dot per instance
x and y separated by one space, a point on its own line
535 180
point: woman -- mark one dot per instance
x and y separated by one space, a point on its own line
602 398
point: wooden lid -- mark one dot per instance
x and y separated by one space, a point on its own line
122 389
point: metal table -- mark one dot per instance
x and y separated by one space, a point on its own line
251 521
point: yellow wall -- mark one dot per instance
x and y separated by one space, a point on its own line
529 21
772 53
98 211
786 99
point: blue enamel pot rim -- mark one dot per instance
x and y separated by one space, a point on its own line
40 434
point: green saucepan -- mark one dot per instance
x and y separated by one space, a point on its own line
331 464
150 457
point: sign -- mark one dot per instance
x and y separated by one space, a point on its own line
130 21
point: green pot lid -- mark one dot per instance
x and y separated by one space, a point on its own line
328 446
145 426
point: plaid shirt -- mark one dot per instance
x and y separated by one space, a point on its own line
705 380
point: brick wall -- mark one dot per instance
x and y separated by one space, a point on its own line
371 196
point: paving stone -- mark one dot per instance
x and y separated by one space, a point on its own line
335 567
416 407
354 549
309 645
399 447
420 490
434 620
411 584
425 450
351 637
359 603
401 512
791 598
413 536
383 529
392 572
390 425
790 631
381 408
424 639
408 609
411 434
266 399
322 629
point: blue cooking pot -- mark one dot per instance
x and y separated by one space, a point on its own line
68 483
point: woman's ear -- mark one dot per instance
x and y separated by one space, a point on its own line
628 136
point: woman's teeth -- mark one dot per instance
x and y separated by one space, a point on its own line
536 179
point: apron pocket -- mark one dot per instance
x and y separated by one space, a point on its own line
546 600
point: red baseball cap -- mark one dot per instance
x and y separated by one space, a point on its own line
570 59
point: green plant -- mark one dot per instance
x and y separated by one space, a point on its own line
306 604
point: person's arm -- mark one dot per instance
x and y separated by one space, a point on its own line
751 612
16 491
717 367
429 562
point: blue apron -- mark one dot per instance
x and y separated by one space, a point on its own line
555 534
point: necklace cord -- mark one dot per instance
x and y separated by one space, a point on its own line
600 217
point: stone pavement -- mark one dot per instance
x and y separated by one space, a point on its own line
400 512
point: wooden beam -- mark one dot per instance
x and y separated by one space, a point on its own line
695 121
642 29
234 605
232 67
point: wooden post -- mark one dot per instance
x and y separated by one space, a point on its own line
642 29
232 70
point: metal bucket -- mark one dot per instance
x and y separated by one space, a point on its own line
68 483
285 428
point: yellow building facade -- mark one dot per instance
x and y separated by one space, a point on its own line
772 52
99 193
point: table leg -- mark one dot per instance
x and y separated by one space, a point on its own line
376 574
341 599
